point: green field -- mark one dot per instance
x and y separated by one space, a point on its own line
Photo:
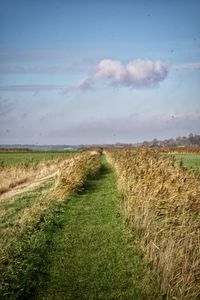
15 158
189 160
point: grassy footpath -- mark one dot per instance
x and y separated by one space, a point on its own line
91 257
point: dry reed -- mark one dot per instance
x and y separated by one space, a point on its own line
162 201
73 173
13 176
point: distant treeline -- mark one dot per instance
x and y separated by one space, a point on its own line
192 140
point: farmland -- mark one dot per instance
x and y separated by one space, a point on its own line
189 160
16 158
122 225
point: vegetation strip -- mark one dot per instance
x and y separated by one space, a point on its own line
91 257
161 199
23 256
23 222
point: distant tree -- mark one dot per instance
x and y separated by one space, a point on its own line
192 140
145 144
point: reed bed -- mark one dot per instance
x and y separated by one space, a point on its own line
73 173
162 200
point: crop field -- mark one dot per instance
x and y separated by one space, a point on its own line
14 158
189 160
112 224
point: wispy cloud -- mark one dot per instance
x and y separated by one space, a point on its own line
188 66
136 74
32 88
84 84
66 69
180 116
6 107
132 128
33 54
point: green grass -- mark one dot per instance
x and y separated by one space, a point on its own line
11 209
189 160
15 158
91 257
24 266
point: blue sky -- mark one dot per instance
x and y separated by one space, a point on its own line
76 72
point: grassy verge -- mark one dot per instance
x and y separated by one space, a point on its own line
91 256
27 261
11 209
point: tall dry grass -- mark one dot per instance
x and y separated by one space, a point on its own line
162 201
12 176
73 173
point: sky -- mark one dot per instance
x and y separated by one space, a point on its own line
87 72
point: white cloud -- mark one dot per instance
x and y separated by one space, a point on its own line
146 73
83 84
110 69
136 74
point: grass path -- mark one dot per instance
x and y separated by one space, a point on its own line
91 257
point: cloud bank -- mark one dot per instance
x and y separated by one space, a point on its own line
136 74
131 128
